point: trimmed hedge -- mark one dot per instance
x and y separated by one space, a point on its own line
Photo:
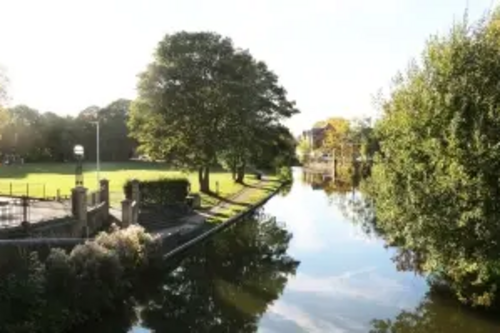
161 192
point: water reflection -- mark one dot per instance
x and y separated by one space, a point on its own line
437 314
225 285
248 279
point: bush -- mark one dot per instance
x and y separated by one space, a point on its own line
71 288
436 178
162 192
285 174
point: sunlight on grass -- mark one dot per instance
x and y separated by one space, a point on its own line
43 180
253 196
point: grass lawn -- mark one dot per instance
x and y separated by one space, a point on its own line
45 179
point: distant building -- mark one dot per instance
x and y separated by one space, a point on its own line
315 136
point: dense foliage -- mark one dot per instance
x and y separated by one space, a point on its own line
436 180
44 137
162 192
203 102
66 289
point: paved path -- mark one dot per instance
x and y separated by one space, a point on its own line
11 211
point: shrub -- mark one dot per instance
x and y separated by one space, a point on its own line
21 293
68 289
285 174
136 249
162 192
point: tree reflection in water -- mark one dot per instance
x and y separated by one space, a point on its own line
344 194
226 284
222 285
437 314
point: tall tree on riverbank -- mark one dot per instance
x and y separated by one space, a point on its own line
436 182
180 109
257 105
202 101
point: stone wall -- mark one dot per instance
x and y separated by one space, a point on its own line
62 227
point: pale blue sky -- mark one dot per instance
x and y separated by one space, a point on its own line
332 56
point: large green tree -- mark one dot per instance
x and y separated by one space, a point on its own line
256 106
179 113
436 181
202 101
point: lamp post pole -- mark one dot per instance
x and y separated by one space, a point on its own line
98 154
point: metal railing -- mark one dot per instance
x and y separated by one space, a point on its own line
14 211
32 190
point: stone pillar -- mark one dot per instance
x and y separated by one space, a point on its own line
79 209
127 215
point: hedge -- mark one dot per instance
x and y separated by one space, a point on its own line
161 192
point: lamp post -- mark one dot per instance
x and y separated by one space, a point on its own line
98 156
78 151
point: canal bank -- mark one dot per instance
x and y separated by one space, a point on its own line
229 211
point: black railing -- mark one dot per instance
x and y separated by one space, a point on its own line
14 211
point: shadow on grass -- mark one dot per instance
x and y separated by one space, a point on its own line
68 168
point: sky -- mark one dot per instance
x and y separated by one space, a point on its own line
332 56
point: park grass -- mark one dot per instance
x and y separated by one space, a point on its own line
45 179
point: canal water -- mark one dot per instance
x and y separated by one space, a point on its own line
305 263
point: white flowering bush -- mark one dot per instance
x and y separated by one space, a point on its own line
70 288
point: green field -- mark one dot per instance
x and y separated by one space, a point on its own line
43 180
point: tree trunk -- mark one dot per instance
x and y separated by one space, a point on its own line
204 178
200 178
234 171
207 179
241 174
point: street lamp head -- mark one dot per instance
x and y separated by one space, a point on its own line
78 150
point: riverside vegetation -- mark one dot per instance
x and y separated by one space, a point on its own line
435 181
65 289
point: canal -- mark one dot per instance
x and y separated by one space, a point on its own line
305 263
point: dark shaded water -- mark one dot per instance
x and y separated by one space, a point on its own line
304 264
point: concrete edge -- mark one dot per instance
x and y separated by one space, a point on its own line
42 241
195 241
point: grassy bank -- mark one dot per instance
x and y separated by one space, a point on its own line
248 198
44 179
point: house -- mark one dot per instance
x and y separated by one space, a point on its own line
315 136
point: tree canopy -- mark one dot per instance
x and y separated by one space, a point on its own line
203 102
37 136
436 180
